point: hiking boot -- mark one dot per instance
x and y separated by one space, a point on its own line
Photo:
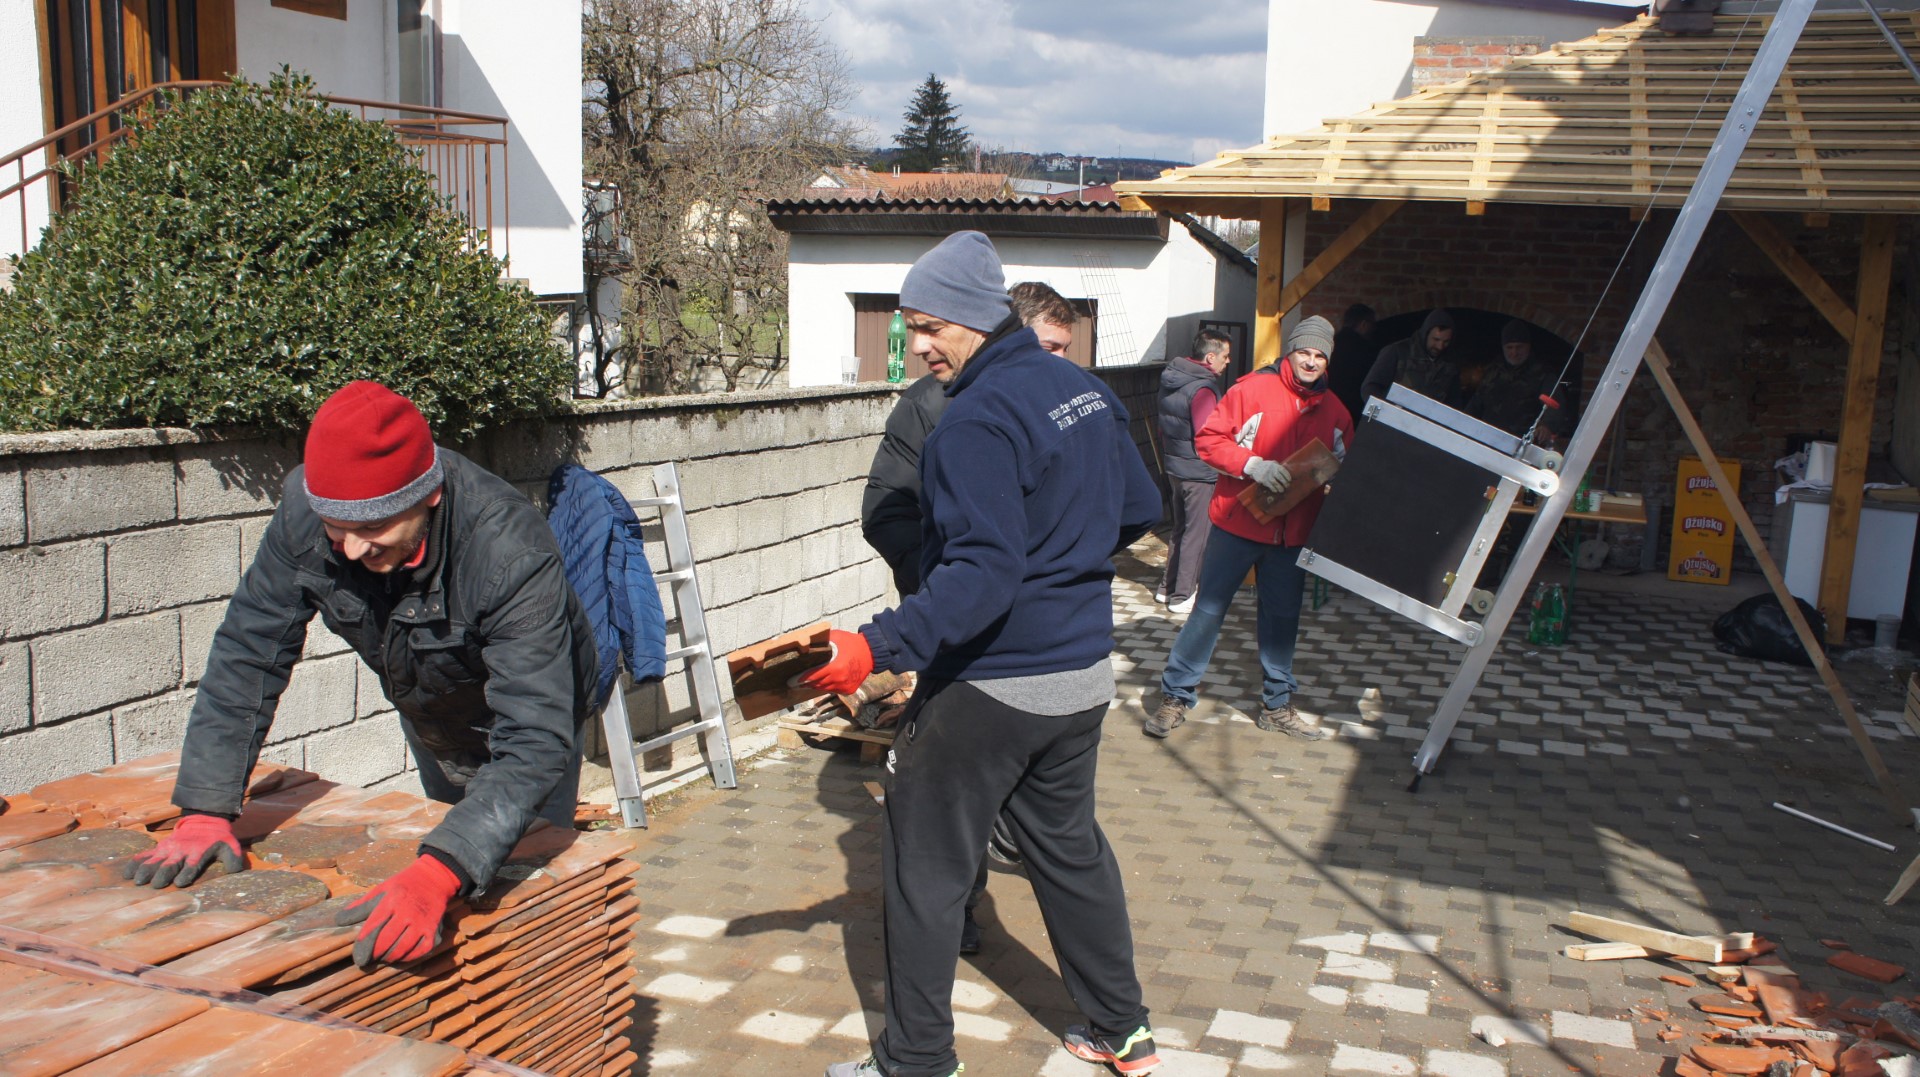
970 935
1132 1056
1284 719
1170 715
870 1068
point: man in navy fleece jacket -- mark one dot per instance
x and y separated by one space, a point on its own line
1030 484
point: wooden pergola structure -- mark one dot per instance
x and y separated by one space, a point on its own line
1621 119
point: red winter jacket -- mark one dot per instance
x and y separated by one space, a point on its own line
1262 416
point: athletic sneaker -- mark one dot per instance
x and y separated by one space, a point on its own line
1284 719
870 1068
1132 1056
1182 606
1160 596
1170 715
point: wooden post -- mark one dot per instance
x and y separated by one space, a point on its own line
1657 363
1856 421
1268 312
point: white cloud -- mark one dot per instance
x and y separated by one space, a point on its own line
1140 78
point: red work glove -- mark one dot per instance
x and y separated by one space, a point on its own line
196 842
402 914
848 669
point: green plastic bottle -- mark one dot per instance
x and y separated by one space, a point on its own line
1583 497
897 349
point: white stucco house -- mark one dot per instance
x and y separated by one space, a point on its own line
1144 283
61 60
1336 59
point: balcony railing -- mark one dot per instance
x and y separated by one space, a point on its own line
461 151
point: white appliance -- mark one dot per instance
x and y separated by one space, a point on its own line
1881 557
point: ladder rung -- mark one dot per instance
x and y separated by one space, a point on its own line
642 747
652 502
697 650
673 576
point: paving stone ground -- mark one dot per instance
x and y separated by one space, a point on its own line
1296 909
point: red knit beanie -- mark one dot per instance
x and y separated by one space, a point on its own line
369 455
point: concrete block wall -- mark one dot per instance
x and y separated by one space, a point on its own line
119 549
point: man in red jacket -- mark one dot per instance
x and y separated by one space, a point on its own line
1263 419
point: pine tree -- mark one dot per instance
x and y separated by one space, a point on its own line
933 137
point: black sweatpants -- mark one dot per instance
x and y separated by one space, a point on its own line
959 758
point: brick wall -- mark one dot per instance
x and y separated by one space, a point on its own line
1439 60
1752 357
119 549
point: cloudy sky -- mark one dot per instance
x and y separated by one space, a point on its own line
1067 76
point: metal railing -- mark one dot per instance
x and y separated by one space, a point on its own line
457 149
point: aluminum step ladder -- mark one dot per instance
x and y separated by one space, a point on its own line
696 655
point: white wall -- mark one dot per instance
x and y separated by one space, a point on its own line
1329 58
499 58
22 120
1164 288
520 60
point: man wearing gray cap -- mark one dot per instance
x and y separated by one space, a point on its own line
1030 484
1264 418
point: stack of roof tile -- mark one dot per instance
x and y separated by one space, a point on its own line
533 971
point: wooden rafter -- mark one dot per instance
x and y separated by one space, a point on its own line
1623 118
1798 270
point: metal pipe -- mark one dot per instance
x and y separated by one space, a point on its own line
1887 32
1628 352
1835 827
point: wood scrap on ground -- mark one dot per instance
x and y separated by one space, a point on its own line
867 716
1763 1021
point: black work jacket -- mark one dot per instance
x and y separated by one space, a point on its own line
890 508
483 649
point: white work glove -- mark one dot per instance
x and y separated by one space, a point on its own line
1273 476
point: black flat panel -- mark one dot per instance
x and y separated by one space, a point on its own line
1402 512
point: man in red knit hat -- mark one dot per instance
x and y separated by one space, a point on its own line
449 584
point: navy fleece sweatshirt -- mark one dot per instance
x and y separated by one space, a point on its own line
1029 486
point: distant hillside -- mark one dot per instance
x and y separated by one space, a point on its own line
1058 167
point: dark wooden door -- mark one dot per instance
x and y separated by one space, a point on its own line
99 51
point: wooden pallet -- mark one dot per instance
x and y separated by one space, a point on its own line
874 743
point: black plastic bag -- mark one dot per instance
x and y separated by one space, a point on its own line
1759 628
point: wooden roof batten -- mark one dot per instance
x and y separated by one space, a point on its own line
1623 118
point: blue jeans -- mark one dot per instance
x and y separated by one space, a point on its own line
1280 580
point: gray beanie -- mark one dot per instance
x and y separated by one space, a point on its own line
959 281
1314 332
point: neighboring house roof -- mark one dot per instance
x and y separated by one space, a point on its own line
995 216
863 182
1623 118
941 216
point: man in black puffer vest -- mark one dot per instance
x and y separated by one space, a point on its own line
1189 388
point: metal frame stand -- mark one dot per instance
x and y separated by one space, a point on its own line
1728 144
696 655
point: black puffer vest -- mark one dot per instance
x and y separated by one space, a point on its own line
1178 382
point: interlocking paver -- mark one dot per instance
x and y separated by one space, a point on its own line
1263 873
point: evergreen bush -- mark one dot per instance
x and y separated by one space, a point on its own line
246 252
